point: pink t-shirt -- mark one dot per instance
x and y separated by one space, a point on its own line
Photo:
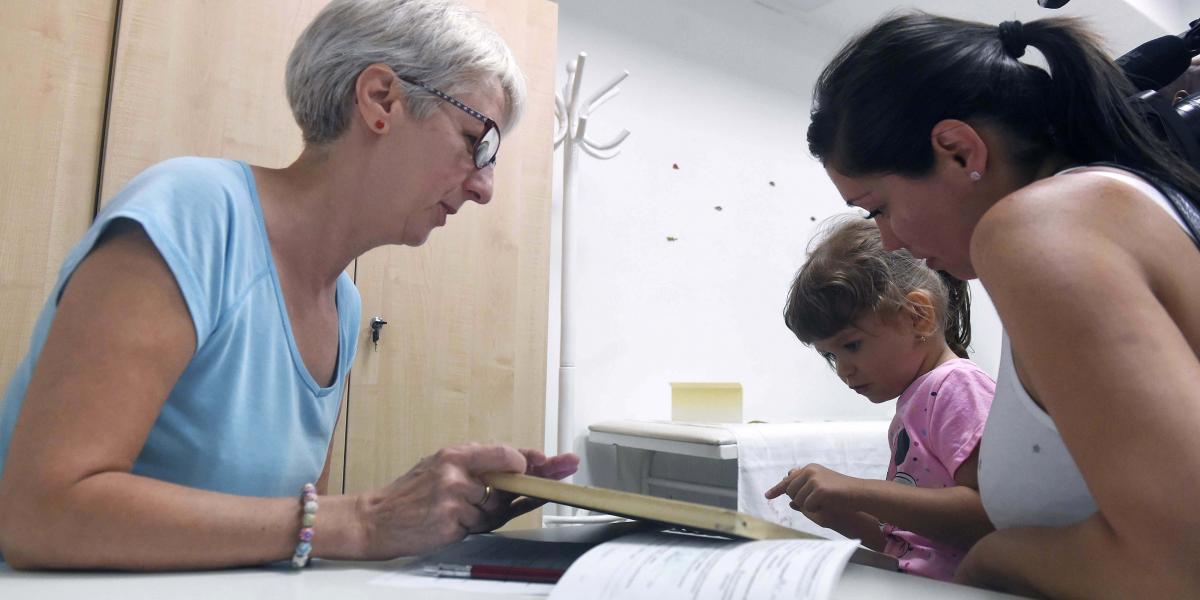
939 420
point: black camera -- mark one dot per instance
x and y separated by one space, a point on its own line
1174 117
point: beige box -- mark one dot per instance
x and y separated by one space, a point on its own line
706 402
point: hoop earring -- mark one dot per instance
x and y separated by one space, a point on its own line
975 176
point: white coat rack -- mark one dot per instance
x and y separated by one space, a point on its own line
571 132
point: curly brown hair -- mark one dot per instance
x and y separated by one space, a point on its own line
849 274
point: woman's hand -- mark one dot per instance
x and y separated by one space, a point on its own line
440 500
502 507
821 494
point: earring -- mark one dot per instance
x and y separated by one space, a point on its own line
379 124
975 176
921 338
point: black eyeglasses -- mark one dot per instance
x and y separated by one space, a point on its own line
488 143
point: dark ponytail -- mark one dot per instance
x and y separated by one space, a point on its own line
932 68
1088 107
958 314
849 274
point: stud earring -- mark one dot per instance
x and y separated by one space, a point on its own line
922 338
975 176
379 124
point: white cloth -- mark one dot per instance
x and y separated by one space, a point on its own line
766 451
1026 473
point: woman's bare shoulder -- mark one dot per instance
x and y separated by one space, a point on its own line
1073 218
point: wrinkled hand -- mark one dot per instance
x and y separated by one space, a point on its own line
502 506
440 500
824 496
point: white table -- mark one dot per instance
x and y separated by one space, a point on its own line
334 580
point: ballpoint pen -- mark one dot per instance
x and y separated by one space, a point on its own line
500 572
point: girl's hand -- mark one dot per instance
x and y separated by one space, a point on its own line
819 493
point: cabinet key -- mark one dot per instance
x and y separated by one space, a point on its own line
377 324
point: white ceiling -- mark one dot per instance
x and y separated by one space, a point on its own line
1125 23
784 42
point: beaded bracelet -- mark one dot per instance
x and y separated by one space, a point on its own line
308 500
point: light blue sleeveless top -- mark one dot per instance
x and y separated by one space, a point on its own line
246 417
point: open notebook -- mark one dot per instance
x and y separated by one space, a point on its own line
676 513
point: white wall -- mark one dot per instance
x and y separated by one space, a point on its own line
720 88
1171 15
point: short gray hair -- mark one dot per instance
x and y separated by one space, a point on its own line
440 42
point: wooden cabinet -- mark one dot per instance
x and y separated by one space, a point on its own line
54 61
463 355
202 78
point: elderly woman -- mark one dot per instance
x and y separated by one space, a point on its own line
179 397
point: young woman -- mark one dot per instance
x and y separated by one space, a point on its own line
979 163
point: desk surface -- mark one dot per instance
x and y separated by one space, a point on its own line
328 580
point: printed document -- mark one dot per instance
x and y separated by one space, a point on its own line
670 566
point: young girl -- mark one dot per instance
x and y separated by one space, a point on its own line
893 327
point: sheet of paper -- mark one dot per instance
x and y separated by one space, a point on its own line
671 566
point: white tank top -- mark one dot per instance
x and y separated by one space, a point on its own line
1026 475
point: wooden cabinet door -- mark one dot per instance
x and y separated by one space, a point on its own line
463 356
202 78
205 78
54 61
